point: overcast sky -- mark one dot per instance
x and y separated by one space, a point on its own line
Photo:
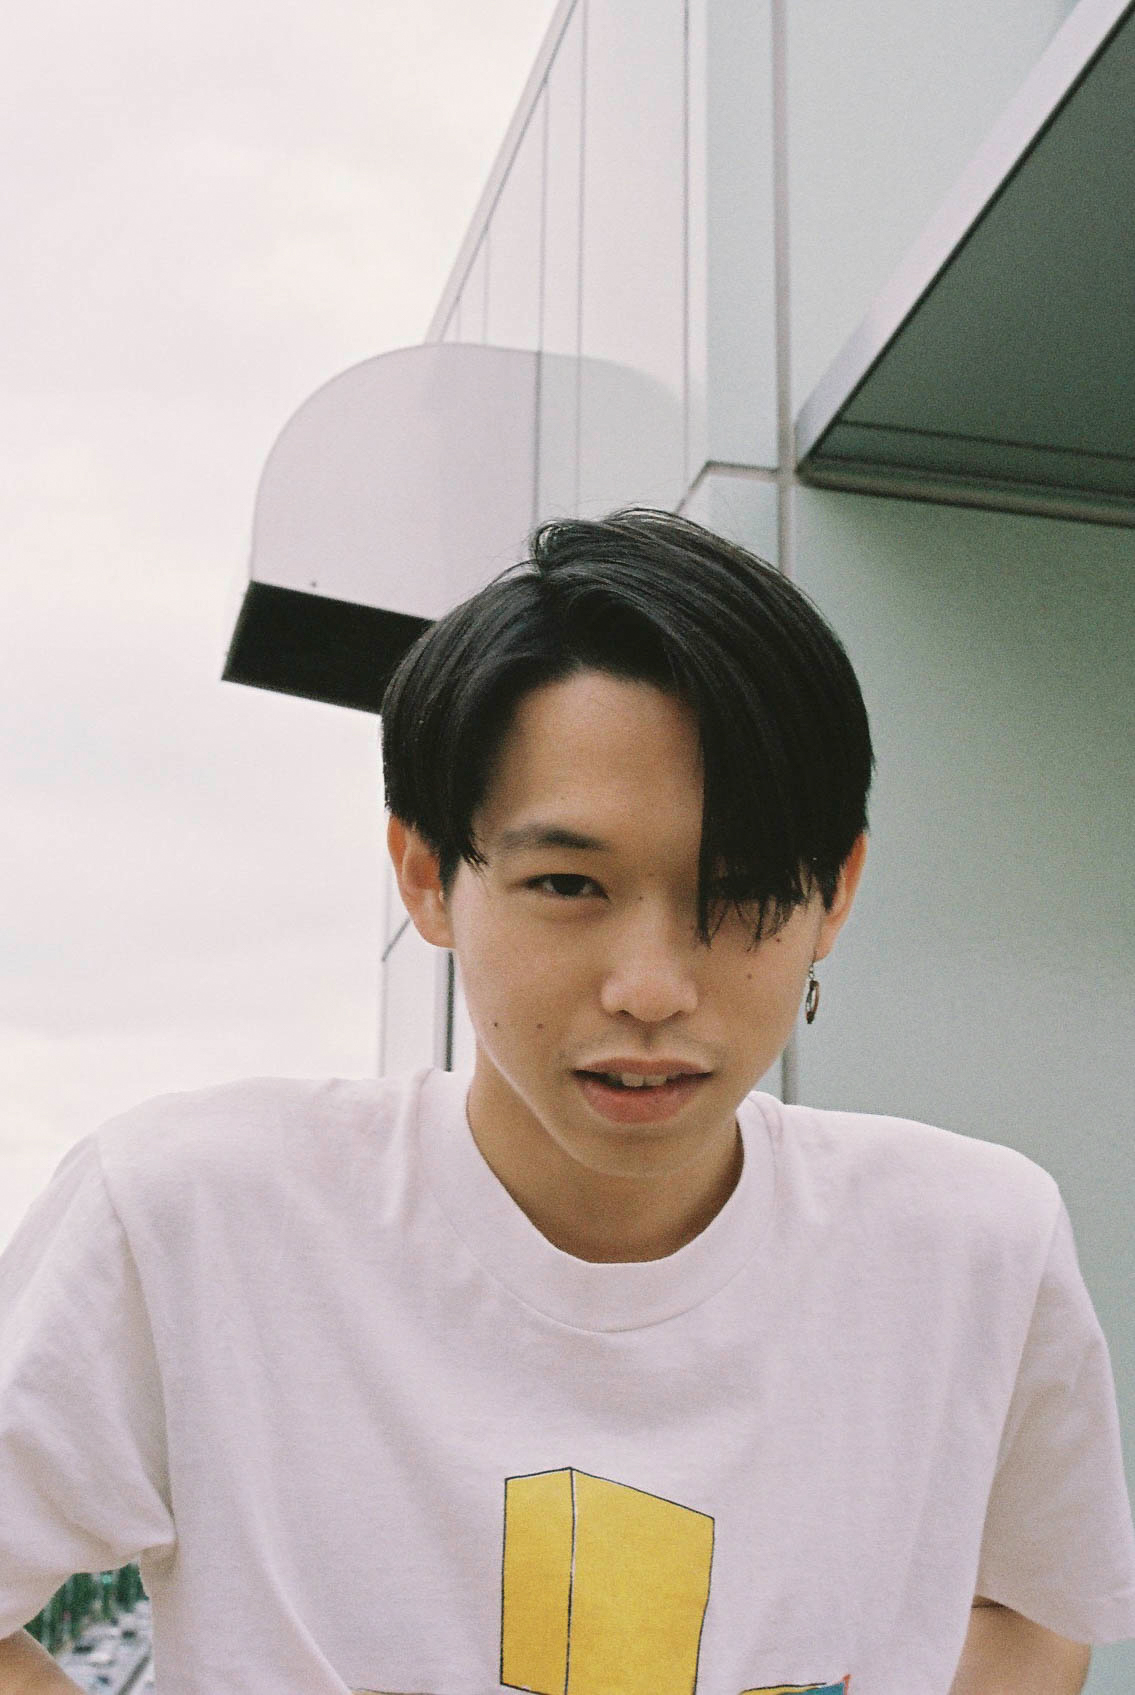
208 209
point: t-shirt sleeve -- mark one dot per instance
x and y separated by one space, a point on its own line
1058 1543
83 1475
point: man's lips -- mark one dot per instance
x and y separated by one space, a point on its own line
645 1104
662 1066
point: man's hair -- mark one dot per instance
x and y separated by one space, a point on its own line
649 597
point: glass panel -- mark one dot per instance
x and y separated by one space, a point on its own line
741 508
632 400
464 1041
474 294
732 306
558 470
409 1000
564 99
512 312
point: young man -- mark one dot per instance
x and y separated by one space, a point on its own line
596 1373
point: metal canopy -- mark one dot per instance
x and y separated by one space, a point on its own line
397 489
998 366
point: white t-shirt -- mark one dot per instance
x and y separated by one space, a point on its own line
294 1345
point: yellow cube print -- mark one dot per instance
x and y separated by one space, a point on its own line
604 1588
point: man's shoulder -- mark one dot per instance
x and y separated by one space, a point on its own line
923 1170
240 1132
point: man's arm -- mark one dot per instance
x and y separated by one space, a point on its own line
1006 1654
28 1669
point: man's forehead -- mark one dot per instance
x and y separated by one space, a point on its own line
586 763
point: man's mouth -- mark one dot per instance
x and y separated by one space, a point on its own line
632 1080
639 1097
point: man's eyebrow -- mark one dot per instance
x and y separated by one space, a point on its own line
548 836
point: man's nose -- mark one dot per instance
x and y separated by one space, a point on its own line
651 970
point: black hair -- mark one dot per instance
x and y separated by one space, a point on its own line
651 597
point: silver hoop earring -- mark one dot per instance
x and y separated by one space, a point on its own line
812 998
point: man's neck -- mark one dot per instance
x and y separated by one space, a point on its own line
590 1213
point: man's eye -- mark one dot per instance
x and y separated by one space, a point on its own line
565 885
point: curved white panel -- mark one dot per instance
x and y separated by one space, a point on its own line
405 483
403 486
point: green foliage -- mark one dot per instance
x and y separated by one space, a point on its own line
82 1599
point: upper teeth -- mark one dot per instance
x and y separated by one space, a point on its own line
630 1080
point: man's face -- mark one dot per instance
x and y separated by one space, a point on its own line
578 949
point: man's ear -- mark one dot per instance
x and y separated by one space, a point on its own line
419 883
850 873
